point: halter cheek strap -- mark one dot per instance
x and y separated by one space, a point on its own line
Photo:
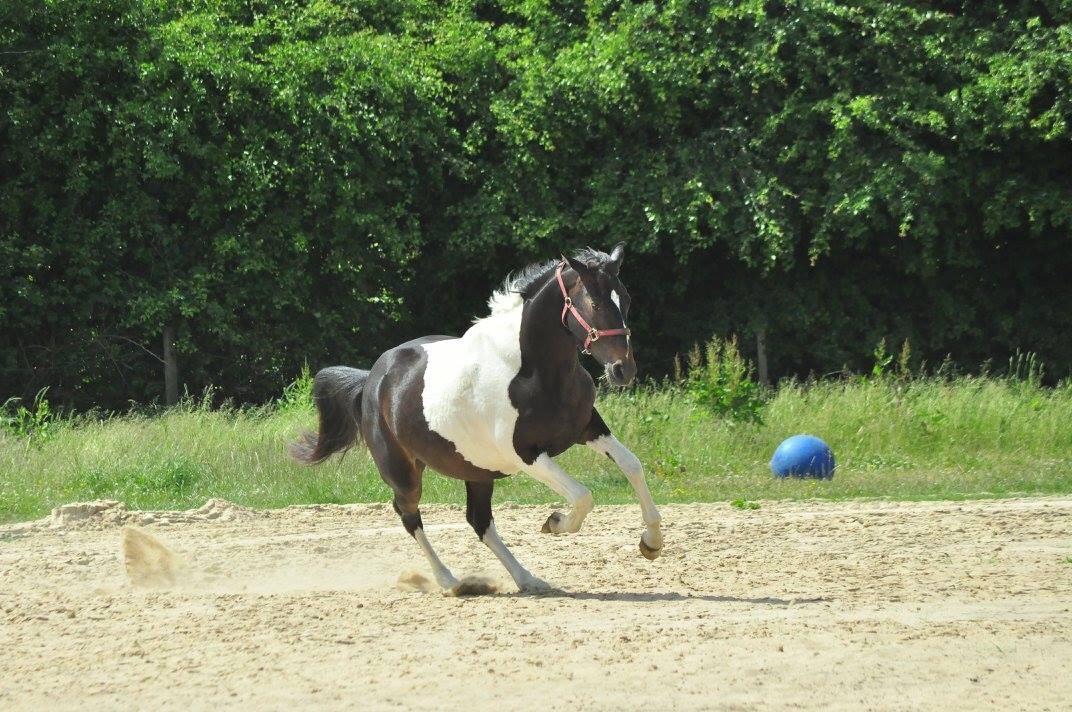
568 308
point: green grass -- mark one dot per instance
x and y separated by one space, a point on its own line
926 438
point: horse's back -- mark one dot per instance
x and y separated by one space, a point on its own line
404 357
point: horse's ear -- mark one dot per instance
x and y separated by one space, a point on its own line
616 256
584 271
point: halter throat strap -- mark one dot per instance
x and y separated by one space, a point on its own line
592 334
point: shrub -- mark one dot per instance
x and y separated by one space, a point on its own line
721 380
275 182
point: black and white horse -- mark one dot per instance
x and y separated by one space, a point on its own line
506 397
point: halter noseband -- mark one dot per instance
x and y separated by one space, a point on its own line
593 334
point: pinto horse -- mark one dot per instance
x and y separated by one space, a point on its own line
506 397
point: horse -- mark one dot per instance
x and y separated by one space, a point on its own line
506 397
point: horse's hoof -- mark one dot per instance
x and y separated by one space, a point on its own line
649 553
551 526
535 585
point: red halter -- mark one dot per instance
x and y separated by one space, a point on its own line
593 334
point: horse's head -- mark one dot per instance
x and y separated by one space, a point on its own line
597 305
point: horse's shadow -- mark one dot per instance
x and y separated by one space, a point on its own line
645 597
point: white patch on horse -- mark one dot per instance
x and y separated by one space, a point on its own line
618 303
502 301
466 387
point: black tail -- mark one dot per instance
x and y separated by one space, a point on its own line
337 394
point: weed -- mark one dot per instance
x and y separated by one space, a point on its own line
298 395
721 379
36 424
904 361
1026 368
882 360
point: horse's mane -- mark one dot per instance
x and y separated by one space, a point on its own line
520 285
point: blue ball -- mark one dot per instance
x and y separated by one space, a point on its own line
803 456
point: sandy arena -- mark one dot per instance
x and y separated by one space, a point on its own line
861 605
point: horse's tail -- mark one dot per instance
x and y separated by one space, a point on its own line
337 394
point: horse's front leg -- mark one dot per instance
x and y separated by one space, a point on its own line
602 441
546 470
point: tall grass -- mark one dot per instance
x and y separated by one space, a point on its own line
898 437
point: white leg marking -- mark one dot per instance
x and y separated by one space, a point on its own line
634 472
524 580
546 470
443 575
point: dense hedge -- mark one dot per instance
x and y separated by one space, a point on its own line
291 181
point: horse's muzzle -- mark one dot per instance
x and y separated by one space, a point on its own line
621 373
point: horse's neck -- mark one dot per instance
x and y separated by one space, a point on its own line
547 348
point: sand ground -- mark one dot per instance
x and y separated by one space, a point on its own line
862 605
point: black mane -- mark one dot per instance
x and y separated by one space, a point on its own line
525 279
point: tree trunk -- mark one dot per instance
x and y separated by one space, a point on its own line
171 367
761 357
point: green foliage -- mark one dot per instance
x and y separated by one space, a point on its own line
721 380
298 394
307 180
882 360
35 424
744 504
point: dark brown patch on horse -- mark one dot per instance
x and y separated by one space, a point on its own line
553 394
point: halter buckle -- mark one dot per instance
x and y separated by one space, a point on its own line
593 335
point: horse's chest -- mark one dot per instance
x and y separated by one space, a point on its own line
551 415
466 400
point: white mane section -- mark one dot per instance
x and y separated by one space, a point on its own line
507 298
503 301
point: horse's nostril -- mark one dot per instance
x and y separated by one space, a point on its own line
617 371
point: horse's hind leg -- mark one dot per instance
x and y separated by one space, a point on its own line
403 475
478 514
411 520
